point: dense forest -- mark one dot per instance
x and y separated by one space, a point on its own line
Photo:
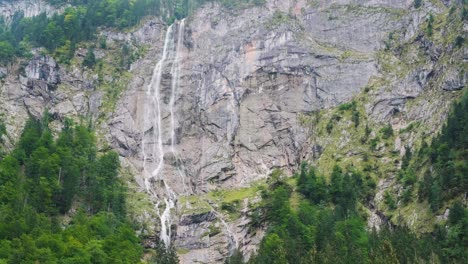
42 179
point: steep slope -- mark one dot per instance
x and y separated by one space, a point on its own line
250 81
214 103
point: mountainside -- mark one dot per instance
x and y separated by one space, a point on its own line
204 109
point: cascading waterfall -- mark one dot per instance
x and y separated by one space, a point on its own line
153 144
175 72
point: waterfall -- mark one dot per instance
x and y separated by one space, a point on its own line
153 141
175 71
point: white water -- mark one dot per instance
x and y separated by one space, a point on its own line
152 145
233 243
175 72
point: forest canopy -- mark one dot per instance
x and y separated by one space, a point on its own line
45 181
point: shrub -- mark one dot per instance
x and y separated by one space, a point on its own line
347 106
417 3
90 60
389 201
387 132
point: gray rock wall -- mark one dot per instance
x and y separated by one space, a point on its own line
246 76
29 8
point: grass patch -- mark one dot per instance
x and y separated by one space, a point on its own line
229 201
194 205
182 251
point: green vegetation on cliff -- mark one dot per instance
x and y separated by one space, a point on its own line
444 161
77 23
80 20
326 222
330 227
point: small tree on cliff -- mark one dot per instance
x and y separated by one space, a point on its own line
89 60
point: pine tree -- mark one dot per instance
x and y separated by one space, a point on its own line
89 60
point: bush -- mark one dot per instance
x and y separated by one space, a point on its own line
373 143
90 60
387 132
417 3
355 118
459 41
6 52
429 29
347 106
389 201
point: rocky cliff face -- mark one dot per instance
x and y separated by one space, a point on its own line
29 8
246 75
233 109
245 78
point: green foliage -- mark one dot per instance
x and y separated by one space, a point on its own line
89 60
417 3
457 213
387 132
6 51
347 106
43 178
447 158
406 158
355 118
164 255
389 201
429 28
2 130
334 118
352 106
239 3
103 43
311 186
60 32
434 196
373 143
235 258
331 230
272 251
459 40
367 132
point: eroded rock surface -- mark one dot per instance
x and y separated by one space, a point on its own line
245 77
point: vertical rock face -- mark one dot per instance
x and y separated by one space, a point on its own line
29 8
245 77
